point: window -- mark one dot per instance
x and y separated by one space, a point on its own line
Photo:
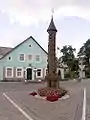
9 58
30 57
38 72
21 57
37 57
9 72
19 72
29 45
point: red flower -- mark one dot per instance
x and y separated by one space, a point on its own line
51 91
33 93
52 98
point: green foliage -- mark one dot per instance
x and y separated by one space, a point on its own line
85 50
75 65
87 73
67 75
68 58
81 51
68 54
71 75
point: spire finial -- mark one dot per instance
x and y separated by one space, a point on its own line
52 11
52 26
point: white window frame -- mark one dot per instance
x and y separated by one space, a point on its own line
19 57
41 73
6 72
39 60
21 72
45 71
31 58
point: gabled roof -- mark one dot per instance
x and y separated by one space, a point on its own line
4 50
21 44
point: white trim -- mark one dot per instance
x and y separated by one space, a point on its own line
21 72
26 72
45 70
41 73
19 57
6 72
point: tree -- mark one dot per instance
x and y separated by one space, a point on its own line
68 56
75 65
85 51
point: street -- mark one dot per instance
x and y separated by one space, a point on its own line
17 104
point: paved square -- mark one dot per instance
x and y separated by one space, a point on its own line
37 109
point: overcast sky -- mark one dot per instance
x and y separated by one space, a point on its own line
20 19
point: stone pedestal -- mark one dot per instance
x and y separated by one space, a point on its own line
52 80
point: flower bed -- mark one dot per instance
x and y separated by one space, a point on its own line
50 94
52 98
51 91
33 93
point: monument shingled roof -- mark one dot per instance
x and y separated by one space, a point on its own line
52 26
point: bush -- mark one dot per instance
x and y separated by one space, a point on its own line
67 75
87 73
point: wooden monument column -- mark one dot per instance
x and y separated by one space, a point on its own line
52 77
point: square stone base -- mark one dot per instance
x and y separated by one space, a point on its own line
52 80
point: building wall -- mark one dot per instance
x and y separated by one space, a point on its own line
62 72
1 70
1 56
25 49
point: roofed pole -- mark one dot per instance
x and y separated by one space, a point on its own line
52 77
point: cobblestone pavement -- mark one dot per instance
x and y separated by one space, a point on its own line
38 109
